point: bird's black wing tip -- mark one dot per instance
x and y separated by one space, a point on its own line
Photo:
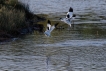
56 24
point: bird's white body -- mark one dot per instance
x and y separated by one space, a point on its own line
67 21
49 26
70 14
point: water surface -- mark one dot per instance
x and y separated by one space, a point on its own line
79 48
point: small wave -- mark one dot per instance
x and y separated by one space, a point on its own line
77 43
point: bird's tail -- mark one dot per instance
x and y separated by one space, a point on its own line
70 25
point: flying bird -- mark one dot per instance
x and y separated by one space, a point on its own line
69 17
70 13
50 28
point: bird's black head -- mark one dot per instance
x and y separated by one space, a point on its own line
71 9
49 22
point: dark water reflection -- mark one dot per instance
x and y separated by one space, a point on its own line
79 48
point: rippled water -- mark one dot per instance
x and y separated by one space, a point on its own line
79 48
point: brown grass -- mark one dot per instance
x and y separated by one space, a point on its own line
13 15
11 20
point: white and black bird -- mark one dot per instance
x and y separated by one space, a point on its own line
70 13
69 17
50 28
